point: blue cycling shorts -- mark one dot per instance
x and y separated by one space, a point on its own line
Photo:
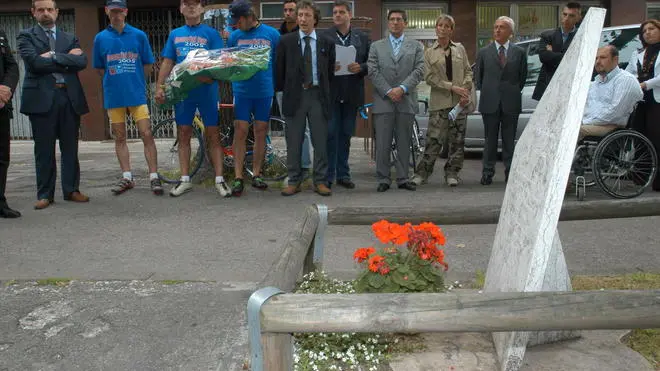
185 111
260 107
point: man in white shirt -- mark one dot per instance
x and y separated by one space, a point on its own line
612 96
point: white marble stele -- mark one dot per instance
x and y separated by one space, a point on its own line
527 255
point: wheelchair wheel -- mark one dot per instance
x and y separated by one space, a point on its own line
582 161
624 164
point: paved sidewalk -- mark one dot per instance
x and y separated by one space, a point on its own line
126 309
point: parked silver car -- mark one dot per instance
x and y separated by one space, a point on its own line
625 38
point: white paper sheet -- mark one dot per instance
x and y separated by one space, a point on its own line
345 55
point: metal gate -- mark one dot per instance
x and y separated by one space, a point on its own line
12 24
157 24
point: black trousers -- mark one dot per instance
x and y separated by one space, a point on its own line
4 153
62 123
647 123
310 110
493 124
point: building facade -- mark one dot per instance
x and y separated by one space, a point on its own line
474 20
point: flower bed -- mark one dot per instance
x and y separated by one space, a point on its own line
410 261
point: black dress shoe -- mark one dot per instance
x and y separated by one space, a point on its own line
486 179
382 187
346 183
6 212
408 185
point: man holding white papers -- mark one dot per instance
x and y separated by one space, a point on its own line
347 89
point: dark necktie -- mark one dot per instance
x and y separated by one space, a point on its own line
307 56
51 41
502 56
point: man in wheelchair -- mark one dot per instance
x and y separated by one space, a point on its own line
621 163
612 96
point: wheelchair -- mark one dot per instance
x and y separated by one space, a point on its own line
622 163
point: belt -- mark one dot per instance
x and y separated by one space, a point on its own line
60 86
309 86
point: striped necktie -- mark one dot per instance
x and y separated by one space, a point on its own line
397 47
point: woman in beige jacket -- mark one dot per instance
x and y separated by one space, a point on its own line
449 75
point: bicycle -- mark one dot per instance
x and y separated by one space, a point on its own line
274 169
416 142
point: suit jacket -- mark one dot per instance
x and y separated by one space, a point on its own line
350 88
290 70
387 71
39 83
8 67
550 59
501 85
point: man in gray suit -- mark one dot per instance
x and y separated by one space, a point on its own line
501 74
396 66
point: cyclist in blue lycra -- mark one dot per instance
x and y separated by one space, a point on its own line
194 35
253 96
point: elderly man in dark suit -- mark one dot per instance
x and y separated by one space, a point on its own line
54 100
304 69
500 76
347 94
396 67
8 81
554 44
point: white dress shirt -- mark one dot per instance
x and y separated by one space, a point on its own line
611 99
312 42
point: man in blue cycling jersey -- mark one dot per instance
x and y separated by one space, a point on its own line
194 35
252 97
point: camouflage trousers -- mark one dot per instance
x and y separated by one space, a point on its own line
441 127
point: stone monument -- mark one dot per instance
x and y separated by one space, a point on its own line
527 253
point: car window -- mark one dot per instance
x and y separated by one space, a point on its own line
533 64
626 40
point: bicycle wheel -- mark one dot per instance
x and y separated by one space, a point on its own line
275 168
164 133
416 145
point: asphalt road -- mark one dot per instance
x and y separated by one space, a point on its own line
119 315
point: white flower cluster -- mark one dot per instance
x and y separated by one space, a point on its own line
455 285
336 351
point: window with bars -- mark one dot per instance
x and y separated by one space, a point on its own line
653 11
274 10
531 18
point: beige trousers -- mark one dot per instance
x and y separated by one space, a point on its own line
595 130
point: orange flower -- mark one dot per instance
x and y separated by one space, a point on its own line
433 230
387 232
363 253
375 262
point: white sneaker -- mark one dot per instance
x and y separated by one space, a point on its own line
223 189
418 180
452 181
181 188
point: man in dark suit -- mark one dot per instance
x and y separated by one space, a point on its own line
54 100
554 43
501 74
8 81
347 94
305 68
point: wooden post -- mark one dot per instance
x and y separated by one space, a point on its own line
462 312
489 214
278 351
284 272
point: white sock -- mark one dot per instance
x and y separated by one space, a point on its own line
153 176
127 175
219 179
185 178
